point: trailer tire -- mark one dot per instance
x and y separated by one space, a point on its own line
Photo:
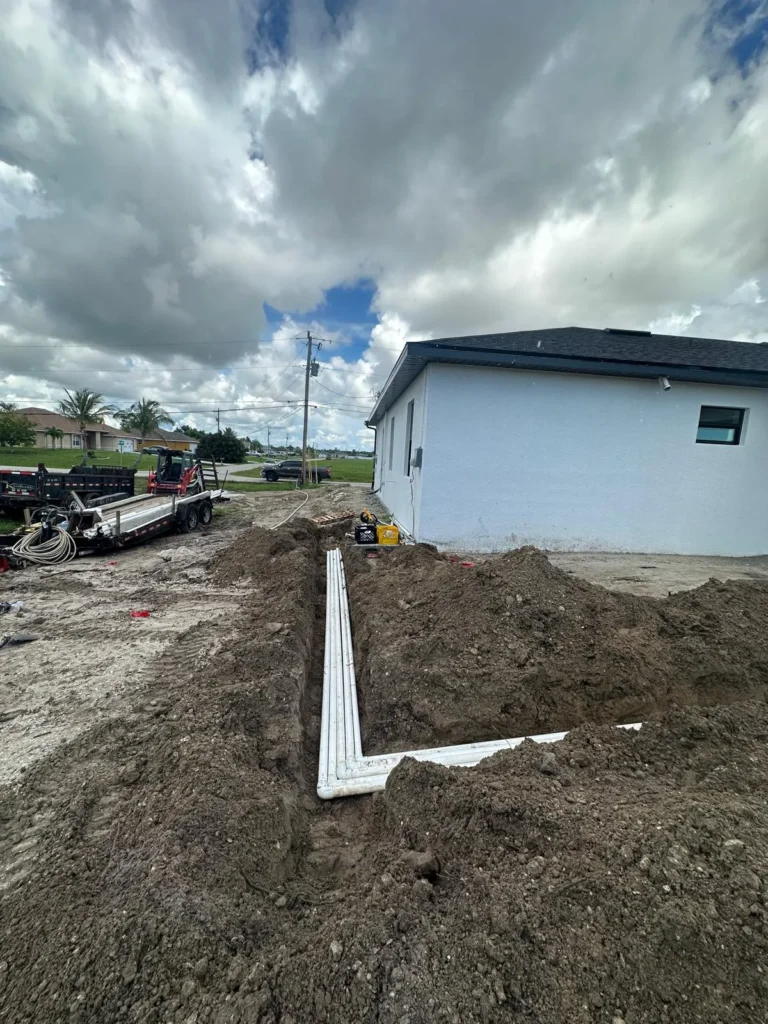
189 522
206 513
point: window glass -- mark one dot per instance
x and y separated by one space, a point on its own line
720 425
408 437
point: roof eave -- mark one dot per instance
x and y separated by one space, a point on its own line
416 356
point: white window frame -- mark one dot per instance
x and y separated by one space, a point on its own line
391 442
77 441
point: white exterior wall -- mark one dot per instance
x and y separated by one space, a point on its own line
575 462
401 491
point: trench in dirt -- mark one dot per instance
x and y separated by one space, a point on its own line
336 831
177 865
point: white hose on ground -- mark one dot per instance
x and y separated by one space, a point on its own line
60 547
284 521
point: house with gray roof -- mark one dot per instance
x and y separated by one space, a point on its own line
577 439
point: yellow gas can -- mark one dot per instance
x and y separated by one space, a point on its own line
387 533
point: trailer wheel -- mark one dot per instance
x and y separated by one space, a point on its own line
206 513
189 522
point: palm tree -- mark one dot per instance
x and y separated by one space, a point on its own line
144 417
7 406
54 433
85 407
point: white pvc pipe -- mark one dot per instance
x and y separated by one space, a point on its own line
343 769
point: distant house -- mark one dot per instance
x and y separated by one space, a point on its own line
581 439
98 436
175 439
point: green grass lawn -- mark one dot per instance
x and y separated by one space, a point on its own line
342 470
281 485
65 458
350 470
9 525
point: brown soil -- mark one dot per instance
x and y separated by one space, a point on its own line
514 646
184 872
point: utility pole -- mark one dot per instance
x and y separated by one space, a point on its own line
269 446
306 411
310 371
218 421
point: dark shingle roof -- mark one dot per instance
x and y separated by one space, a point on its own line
587 350
590 343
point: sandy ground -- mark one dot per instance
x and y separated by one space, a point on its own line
92 660
657 575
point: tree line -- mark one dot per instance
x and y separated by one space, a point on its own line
143 419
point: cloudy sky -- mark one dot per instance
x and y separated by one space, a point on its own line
186 186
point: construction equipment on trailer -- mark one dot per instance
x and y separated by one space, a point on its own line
33 488
180 473
62 534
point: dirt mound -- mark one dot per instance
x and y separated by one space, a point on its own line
617 877
246 556
451 654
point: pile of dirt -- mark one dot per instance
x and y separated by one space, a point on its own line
616 877
176 866
514 646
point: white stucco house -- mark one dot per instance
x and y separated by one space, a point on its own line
578 439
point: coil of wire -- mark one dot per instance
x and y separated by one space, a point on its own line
60 547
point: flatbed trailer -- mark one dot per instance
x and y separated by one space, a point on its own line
64 534
134 520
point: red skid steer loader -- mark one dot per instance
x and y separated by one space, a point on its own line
179 473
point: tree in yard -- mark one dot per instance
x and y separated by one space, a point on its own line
192 432
55 434
144 417
84 406
225 447
7 406
15 430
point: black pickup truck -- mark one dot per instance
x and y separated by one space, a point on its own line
290 469
31 488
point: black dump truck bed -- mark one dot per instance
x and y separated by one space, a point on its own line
31 488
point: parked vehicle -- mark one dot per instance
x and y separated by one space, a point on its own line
290 469
154 449
33 488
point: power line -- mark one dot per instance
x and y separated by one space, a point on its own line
339 393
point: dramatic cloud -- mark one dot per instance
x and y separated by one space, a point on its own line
167 168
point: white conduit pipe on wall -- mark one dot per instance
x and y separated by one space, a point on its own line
343 769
